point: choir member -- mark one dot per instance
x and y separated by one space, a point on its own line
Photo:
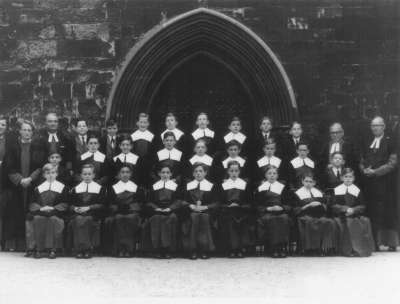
202 201
46 210
87 205
108 143
80 138
269 159
126 203
348 208
23 161
233 149
333 172
300 165
273 223
235 128
235 212
203 132
171 124
200 156
63 174
377 166
144 147
126 157
317 233
291 142
266 132
163 203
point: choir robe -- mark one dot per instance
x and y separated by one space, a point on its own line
234 222
100 163
21 160
126 204
380 197
273 227
197 227
60 143
316 231
48 227
223 166
144 147
130 159
297 168
265 161
240 138
355 233
208 136
85 228
206 160
163 225
174 159
181 140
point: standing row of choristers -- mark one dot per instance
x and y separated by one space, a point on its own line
122 192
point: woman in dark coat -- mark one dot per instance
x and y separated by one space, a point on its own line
23 161
4 141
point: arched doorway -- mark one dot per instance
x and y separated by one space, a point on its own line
246 64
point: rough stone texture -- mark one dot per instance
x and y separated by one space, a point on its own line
339 54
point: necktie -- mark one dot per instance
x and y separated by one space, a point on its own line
269 187
53 138
87 188
125 158
83 139
112 142
204 133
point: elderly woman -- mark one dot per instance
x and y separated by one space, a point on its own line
22 163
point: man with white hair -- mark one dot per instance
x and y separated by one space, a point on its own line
377 165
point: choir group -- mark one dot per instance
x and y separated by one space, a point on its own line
196 194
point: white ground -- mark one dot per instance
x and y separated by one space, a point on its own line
112 280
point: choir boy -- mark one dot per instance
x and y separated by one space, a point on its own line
235 128
233 149
200 156
171 124
300 165
333 173
269 159
126 157
204 132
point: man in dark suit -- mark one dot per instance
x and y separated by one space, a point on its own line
108 143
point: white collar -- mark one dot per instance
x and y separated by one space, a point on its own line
129 158
53 135
376 142
303 193
55 186
240 160
97 156
144 135
92 187
335 147
239 184
352 189
112 137
205 185
173 154
200 133
122 187
170 185
178 133
276 187
299 162
335 170
205 159
274 161
239 137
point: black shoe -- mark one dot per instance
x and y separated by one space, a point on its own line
28 253
275 254
37 255
239 255
283 254
232 255
121 254
87 255
52 254
167 256
79 255
392 248
158 255
193 256
204 256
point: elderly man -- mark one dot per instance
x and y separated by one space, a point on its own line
338 143
377 165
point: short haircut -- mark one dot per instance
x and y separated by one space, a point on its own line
92 136
233 143
233 163
87 166
269 141
308 175
163 165
123 137
236 118
170 114
26 122
110 123
196 165
296 123
337 153
348 170
79 120
125 165
168 134
269 167
202 113
303 143
265 117
143 115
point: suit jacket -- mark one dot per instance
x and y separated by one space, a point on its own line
347 147
107 149
64 145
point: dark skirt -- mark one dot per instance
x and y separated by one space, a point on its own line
273 229
126 229
197 233
45 232
163 231
317 233
355 236
85 232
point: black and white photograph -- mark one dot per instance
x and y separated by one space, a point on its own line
199 151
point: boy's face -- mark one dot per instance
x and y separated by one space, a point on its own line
269 150
296 130
302 151
233 151
87 175
337 160
308 182
200 148
348 179
112 130
125 146
50 175
54 159
93 145
81 127
165 174
199 173
266 125
171 123
143 123
271 175
234 171
202 121
235 126
125 174
169 142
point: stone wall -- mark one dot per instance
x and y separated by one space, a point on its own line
341 56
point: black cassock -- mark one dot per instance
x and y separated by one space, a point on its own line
197 227
160 231
297 168
316 231
85 228
174 159
355 233
100 163
46 231
234 222
130 159
379 189
182 142
126 204
144 147
273 227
